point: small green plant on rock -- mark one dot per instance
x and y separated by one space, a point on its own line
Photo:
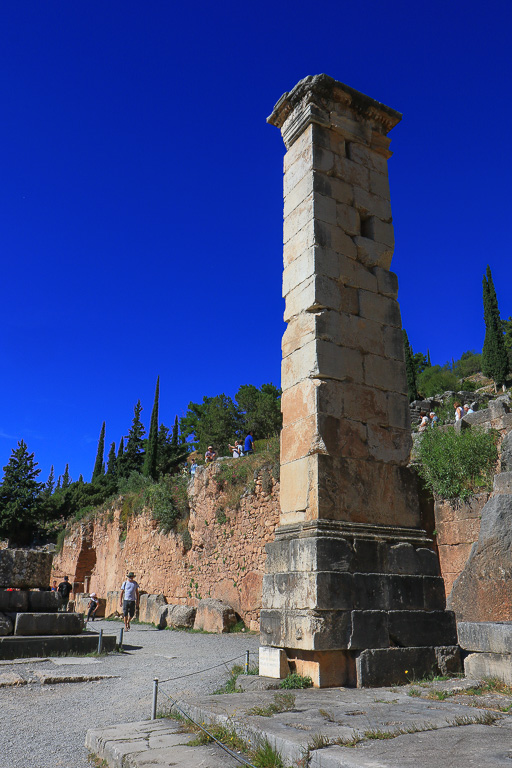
294 680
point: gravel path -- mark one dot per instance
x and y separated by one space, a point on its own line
44 726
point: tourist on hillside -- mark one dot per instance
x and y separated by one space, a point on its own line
236 449
63 591
93 606
434 420
193 468
129 599
459 411
424 422
468 409
210 455
249 443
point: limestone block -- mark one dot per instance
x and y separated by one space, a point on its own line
371 205
301 330
313 261
380 231
367 157
380 144
302 144
349 330
393 343
351 129
388 666
113 608
322 359
328 138
352 173
25 568
181 616
365 404
325 208
338 190
331 236
214 616
503 483
298 218
323 159
385 374
489 665
42 601
348 219
48 624
149 608
407 628
373 254
13 601
326 669
307 630
389 444
379 308
479 418
258 682
300 401
486 636
6 625
297 164
506 453
398 413
273 662
302 241
354 274
318 292
299 193
320 434
379 184
295 484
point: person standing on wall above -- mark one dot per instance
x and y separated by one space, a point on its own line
249 443
129 599
459 411
63 591
210 455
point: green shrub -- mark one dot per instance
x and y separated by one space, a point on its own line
435 380
455 464
295 680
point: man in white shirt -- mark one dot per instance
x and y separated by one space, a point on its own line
129 599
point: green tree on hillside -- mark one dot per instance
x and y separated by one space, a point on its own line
436 380
112 461
99 464
66 479
410 370
470 362
172 451
132 459
494 354
216 421
20 500
260 409
151 457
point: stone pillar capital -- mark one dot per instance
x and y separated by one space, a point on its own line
319 99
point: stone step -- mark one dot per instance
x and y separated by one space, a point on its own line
25 600
485 665
48 624
485 636
16 647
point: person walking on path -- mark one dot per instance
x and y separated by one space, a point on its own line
129 599
93 606
63 591
249 443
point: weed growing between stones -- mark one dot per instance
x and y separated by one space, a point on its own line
96 761
283 702
295 680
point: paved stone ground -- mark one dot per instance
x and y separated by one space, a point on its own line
44 724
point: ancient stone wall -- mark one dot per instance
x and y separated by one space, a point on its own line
457 529
226 560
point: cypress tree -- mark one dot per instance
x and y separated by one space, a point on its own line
410 370
151 458
429 364
494 354
175 433
121 448
66 478
20 496
112 461
133 457
99 464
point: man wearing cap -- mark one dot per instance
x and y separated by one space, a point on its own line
210 455
63 591
93 606
129 599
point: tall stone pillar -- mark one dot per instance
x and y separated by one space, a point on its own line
350 569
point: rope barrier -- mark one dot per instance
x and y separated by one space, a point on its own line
239 758
190 674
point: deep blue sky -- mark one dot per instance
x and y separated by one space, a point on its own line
141 194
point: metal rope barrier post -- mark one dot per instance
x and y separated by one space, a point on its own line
155 698
120 643
247 662
100 641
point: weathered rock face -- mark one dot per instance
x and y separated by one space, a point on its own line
214 616
25 568
6 625
153 609
181 616
226 559
458 527
482 591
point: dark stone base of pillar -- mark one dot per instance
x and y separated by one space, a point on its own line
398 666
13 647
